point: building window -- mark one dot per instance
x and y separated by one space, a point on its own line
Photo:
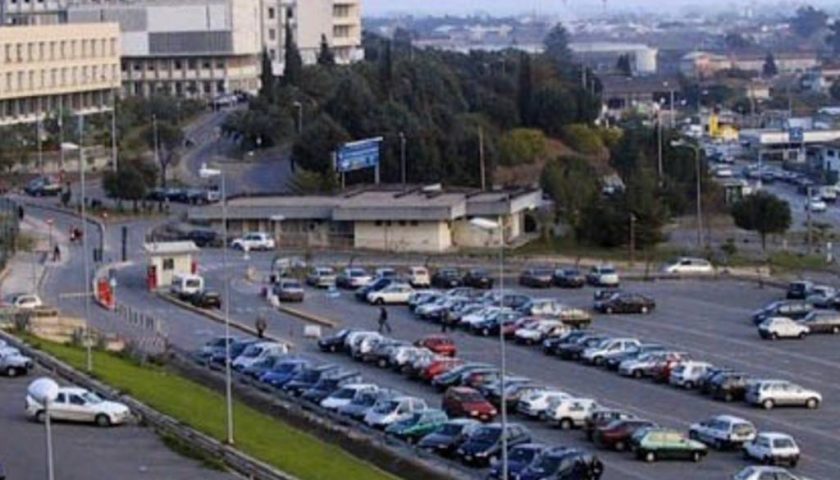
169 264
378 223
191 64
205 65
272 34
271 13
208 87
177 64
290 13
220 64
272 53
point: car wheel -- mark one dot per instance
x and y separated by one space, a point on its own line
382 363
812 403
688 385
485 332
643 310
379 301
727 397
696 457
650 457
11 372
565 424
767 461
619 446
637 374
774 336
608 310
835 330
41 416
768 404
598 361
102 420
542 416
801 335
793 462
333 348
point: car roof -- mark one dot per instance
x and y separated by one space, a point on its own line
76 390
775 435
730 419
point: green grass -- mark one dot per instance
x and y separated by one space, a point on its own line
788 261
259 435
567 247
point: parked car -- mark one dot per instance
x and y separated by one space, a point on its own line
689 266
613 362
363 403
820 321
728 386
610 346
185 285
723 431
766 473
519 457
483 446
259 368
822 296
321 277
478 278
626 303
447 278
217 360
395 293
212 347
568 413
392 410
446 440
616 434
207 299
793 309
603 276
772 448
26 301
418 425
569 278
335 342
439 344
536 403
43 187
418 277
329 384
816 205
536 278
688 373
554 345
564 463
574 350
775 328
640 367
652 444
258 351
602 416
781 393
289 290
203 238
75 404
362 293
13 363
254 241
467 402
353 278
305 378
799 289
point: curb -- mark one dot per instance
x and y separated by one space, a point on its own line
308 317
221 319
73 213
234 459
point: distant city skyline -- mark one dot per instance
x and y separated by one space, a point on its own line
571 8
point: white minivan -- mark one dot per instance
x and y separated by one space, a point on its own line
569 413
392 410
186 285
258 351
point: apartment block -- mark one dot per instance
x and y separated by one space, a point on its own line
44 68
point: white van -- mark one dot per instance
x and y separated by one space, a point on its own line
392 410
256 352
419 277
569 413
186 284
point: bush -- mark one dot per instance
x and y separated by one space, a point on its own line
521 146
583 139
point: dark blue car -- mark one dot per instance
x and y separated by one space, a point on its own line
217 360
283 372
519 457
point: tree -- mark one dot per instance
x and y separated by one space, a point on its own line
266 78
326 57
573 185
314 148
583 139
808 20
624 66
769 69
130 183
525 91
763 213
386 70
522 146
557 47
293 64
833 37
169 138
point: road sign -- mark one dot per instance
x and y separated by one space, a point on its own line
358 155
796 135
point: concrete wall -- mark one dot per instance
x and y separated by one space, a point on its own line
403 236
466 235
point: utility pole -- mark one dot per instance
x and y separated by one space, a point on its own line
481 157
659 167
402 159
157 154
85 252
39 126
632 239
808 219
114 131
699 197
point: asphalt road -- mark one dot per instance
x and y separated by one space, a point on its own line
85 452
708 319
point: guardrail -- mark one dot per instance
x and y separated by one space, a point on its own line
241 463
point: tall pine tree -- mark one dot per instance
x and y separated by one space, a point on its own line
526 88
266 78
386 69
293 63
326 57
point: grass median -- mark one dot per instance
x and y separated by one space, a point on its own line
261 436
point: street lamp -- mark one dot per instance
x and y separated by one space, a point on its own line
277 219
299 107
402 158
44 391
684 144
207 173
490 227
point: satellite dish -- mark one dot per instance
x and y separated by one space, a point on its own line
43 390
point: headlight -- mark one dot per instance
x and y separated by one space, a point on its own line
481 454
474 413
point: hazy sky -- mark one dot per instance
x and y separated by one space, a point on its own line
571 7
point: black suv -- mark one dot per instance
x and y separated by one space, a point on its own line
792 309
728 386
478 278
536 278
569 278
799 290
626 303
447 278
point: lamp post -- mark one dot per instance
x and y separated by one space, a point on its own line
299 107
490 227
44 391
206 173
683 144
277 219
402 158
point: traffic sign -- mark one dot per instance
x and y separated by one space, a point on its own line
358 155
796 135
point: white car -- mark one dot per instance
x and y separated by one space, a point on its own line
79 405
821 296
535 404
27 301
603 276
569 413
782 327
773 448
478 316
688 374
536 332
254 241
354 277
766 473
723 431
392 410
816 205
396 293
12 363
321 277
346 394
724 172
419 277
773 393
609 347
688 265
257 352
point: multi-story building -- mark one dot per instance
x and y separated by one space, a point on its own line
45 68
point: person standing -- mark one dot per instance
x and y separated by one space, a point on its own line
383 321
56 254
261 325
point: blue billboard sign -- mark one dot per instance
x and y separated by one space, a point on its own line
358 155
796 135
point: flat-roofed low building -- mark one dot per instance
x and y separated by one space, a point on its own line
381 219
46 68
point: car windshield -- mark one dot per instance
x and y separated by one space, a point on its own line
286 367
357 272
607 271
547 464
522 455
743 429
344 393
387 406
487 434
291 285
91 397
783 443
365 400
473 397
542 272
252 351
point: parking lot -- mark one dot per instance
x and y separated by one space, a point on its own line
84 452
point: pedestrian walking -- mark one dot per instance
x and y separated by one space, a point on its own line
56 254
444 323
384 326
261 325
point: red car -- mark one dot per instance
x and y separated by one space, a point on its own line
440 344
616 434
510 329
467 402
439 367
